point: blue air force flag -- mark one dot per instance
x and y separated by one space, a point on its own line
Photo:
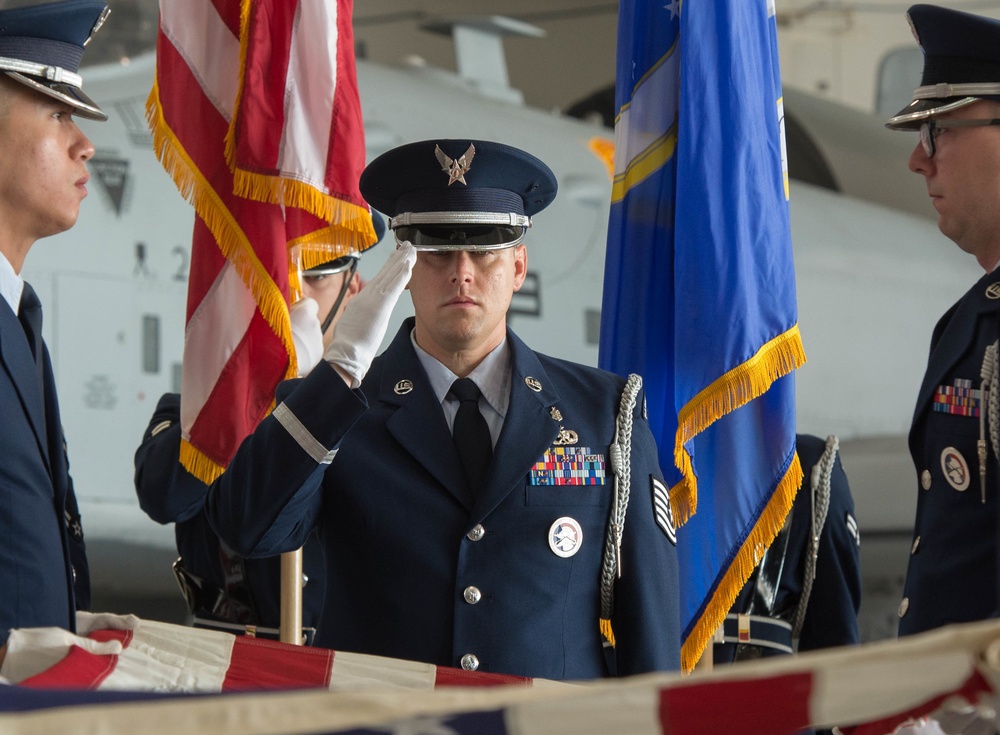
699 290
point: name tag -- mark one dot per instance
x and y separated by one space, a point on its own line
569 466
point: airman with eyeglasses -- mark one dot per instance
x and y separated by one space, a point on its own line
955 435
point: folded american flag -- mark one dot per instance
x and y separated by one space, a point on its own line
874 688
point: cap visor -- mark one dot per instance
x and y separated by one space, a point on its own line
72 96
471 236
918 112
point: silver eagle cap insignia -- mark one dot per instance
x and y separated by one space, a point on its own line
456 168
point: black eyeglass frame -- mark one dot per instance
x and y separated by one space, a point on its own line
928 136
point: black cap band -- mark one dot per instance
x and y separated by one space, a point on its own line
951 69
42 51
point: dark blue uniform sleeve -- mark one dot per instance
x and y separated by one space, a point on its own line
267 500
646 621
167 492
832 613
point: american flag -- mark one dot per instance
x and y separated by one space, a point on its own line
868 690
256 115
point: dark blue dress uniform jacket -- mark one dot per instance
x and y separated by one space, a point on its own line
168 493
400 528
831 617
40 536
952 574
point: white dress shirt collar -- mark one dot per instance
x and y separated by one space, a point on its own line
11 284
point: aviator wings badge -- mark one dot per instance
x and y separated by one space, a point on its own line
456 168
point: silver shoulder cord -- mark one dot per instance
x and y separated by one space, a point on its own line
620 454
988 374
819 482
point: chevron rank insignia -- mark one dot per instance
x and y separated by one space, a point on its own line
662 511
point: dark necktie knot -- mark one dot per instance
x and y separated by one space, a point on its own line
471 434
465 389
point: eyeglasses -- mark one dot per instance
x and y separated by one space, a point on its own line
930 130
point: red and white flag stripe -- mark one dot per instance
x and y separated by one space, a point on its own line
163 657
256 114
869 690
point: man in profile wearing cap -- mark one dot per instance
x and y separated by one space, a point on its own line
481 505
953 568
43 177
223 590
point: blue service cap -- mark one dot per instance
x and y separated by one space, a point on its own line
458 194
41 46
961 63
338 265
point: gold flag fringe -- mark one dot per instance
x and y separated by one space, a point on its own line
199 465
322 246
607 632
349 223
742 384
763 533
228 234
354 234
739 386
770 522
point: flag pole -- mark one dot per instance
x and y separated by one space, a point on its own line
290 628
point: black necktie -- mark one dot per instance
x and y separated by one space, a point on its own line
30 315
471 434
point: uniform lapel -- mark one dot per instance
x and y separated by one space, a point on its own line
958 336
418 423
20 365
528 430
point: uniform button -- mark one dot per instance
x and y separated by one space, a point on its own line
916 545
470 662
305 580
472 595
73 570
904 605
476 533
925 480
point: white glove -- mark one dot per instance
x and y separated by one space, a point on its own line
366 316
307 333
31 651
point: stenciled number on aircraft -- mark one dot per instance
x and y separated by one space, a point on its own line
182 270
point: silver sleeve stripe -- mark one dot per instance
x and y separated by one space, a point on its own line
301 435
162 426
